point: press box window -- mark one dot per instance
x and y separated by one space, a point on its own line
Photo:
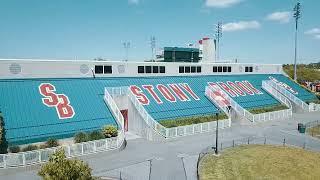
229 68
140 69
193 69
98 69
215 69
250 69
224 68
187 69
107 69
198 69
155 69
181 69
219 68
148 69
162 69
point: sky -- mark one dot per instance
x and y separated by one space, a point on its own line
257 31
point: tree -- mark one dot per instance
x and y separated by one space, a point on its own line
61 168
110 131
3 140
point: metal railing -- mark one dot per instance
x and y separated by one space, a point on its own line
312 124
314 107
22 159
303 105
308 144
239 109
174 131
252 117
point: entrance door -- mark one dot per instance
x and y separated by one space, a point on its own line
124 113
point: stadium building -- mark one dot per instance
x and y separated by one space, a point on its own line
41 99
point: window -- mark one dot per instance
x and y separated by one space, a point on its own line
215 69
193 69
148 69
198 69
162 69
248 69
98 69
224 68
187 69
140 69
155 69
107 70
229 68
219 68
181 69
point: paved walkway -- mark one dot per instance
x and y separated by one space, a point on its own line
177 158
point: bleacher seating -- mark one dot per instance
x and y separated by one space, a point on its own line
27 119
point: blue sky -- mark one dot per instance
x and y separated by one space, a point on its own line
254 30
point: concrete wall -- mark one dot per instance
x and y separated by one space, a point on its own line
17 69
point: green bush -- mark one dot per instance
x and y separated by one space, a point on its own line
51 142
191 120
81 137
3 140
59 167
268 109
95 135
14 149
110 131
30 147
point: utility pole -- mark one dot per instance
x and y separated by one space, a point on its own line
126 46
218 35
296 15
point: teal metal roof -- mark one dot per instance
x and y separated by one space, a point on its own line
27 119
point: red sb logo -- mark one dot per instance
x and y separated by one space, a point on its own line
59 101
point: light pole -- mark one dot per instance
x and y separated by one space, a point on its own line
296 15
217 127
218 35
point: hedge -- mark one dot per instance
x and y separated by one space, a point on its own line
191 120
3 140
268 109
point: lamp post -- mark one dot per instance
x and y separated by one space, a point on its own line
217 127
296 15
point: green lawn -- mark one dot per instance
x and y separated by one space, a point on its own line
261 162
314 131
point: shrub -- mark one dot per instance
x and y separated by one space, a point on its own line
80 137
3 140
30 147
14 149
51 142
59 167
268 109
191 120
110 131
95 135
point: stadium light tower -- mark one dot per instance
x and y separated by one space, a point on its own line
218 35
296 15
126 46
153 47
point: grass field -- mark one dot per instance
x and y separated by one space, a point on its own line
314 131
261 162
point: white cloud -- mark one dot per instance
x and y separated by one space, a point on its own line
133 1
221 3
241 25
282 17
313 31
